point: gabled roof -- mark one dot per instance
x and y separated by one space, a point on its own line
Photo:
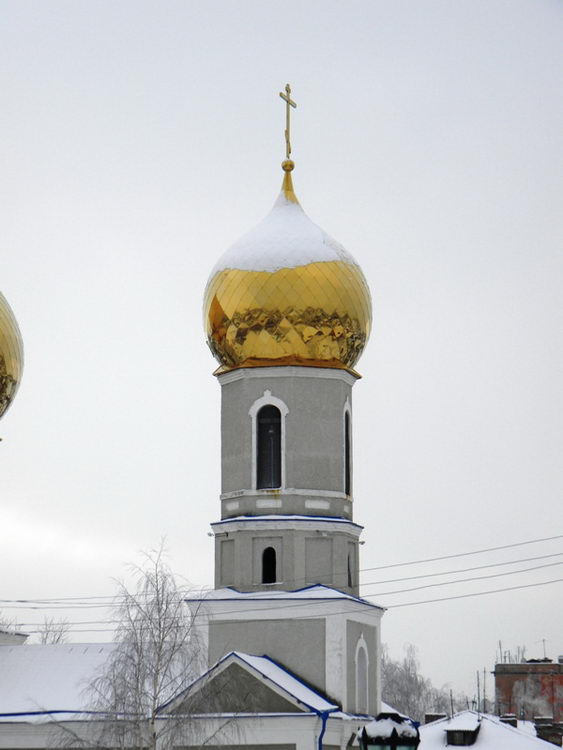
316 592
276 677
45 679
493 734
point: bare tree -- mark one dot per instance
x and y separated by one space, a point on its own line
54 631
157 655
404 688
8 624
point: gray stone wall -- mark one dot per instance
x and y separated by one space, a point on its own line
277 639
234 690
303 556
314 425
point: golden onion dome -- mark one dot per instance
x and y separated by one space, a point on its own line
11 355
287 294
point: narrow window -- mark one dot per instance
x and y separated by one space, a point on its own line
269 565
352 575
347 473
268 444
362 680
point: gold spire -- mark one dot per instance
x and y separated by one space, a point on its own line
288 103
287 184
288 165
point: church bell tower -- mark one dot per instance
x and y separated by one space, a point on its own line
287 313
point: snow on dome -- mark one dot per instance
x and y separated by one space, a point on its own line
286 293
285 238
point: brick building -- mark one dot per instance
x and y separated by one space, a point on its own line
531 688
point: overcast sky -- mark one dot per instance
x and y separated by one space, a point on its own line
139 139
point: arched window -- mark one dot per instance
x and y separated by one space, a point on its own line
268 448
362 676
347 454
269 565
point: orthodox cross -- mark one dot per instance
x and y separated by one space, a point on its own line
288 103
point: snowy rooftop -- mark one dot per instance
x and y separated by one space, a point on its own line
317 592
48 678
467 721
285 238
493 735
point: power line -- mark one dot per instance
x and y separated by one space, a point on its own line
462 570
13 603
465 580
373 594
345 611
465 554
301 604
477 593
41 600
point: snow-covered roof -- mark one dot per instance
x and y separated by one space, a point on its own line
467 721
263 667
50 678
317 592
285 238
493 734
387 709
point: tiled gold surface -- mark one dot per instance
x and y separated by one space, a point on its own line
315 314
11 355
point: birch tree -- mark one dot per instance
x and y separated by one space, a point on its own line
157 655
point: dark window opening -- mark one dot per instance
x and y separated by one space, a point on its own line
350 584
269 565
347 472
461 737
268 463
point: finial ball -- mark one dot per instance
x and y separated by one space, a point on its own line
288 165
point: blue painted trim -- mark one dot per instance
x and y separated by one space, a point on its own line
300 681
84 712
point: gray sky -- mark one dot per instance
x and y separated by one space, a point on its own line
139 139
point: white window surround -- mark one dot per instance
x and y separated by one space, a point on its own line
362 680
267 400
347 410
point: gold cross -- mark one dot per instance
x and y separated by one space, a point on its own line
288 103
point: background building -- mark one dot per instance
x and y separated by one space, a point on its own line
531 688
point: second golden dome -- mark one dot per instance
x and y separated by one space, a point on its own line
11 355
